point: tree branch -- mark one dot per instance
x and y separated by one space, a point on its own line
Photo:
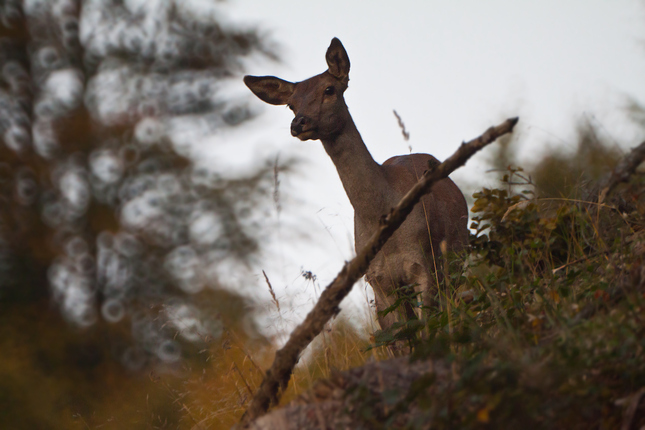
625 168
277 377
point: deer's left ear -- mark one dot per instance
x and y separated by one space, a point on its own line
338 61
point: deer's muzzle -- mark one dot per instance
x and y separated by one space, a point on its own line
300 124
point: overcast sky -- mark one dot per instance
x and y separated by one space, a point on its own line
451 69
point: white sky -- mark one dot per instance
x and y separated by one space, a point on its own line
451 69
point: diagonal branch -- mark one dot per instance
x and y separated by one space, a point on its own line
277 377
625 168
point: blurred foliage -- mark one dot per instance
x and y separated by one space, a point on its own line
571 173
105 215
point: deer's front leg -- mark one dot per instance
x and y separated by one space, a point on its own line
425 284
384 297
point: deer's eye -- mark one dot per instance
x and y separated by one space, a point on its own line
329 91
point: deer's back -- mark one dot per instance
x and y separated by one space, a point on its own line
441 214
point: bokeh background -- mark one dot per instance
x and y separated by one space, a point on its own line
161 232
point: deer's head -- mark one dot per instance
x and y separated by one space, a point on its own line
318 103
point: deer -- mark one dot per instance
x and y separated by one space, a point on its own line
412 257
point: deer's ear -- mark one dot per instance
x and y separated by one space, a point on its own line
270 89
337 60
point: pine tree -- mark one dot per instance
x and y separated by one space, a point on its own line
102 209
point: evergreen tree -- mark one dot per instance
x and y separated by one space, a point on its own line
102 209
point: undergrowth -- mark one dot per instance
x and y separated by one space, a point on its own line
543 326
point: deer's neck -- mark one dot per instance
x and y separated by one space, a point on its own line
362 177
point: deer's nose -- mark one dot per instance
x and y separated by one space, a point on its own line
299 124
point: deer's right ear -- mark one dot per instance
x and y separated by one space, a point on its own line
270 89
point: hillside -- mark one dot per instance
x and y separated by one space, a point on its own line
541 325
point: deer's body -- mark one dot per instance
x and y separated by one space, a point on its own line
412 254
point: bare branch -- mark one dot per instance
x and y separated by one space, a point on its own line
277 377
625 168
